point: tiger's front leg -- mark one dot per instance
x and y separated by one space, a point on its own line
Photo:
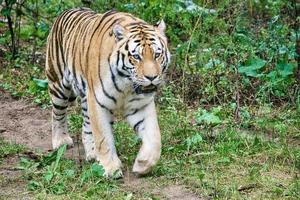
60 101
145 124
105 151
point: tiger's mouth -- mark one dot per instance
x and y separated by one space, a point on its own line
145 89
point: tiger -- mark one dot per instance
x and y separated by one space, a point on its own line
114 63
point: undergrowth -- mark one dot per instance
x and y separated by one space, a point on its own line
229 113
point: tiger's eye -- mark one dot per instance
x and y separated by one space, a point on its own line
156 55
136 56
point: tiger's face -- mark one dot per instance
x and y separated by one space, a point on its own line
143 55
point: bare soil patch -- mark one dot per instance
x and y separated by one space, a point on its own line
23 123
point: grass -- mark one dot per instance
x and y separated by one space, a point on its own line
204 149
259 158
256 159
7 149
224 163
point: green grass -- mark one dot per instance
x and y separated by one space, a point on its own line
220 164
258 158
204 147
52 176
9 149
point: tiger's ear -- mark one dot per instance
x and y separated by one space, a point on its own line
161 26
118 32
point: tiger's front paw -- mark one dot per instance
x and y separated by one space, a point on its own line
60 139
146 160
90 154
112 168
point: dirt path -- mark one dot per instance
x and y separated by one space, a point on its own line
23 123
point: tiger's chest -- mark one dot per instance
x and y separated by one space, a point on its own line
116 95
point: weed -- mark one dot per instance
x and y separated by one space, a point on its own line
7 149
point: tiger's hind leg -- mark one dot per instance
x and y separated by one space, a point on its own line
60 94
72 98
87 136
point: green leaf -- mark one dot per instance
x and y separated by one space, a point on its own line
251 67
60 153
193 141
208 118
43 84
70 173
97 170
53 156
224 160
48 176
285 69
33 185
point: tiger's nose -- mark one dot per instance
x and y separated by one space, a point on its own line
151 78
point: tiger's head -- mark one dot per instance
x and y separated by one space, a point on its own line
141 54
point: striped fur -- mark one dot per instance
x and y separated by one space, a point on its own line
113 62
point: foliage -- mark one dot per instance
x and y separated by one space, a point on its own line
210 42
229 114
7 149
54 175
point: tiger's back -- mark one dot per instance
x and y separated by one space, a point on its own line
76 38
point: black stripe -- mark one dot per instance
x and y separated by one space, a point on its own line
86 122
59 119
85 116
103 106
118 57
107 28
136 126
113 77
164 68
58 54
105 15
71 23
58 107
89 133
105 92
55 93
75 39
83 83
58 90
71 99
66 87
136 110
124 67
135 99
122 74
67 22
49 76
71 33
136 47
61 114
62 21
98 102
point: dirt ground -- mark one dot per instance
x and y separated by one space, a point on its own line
23 123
